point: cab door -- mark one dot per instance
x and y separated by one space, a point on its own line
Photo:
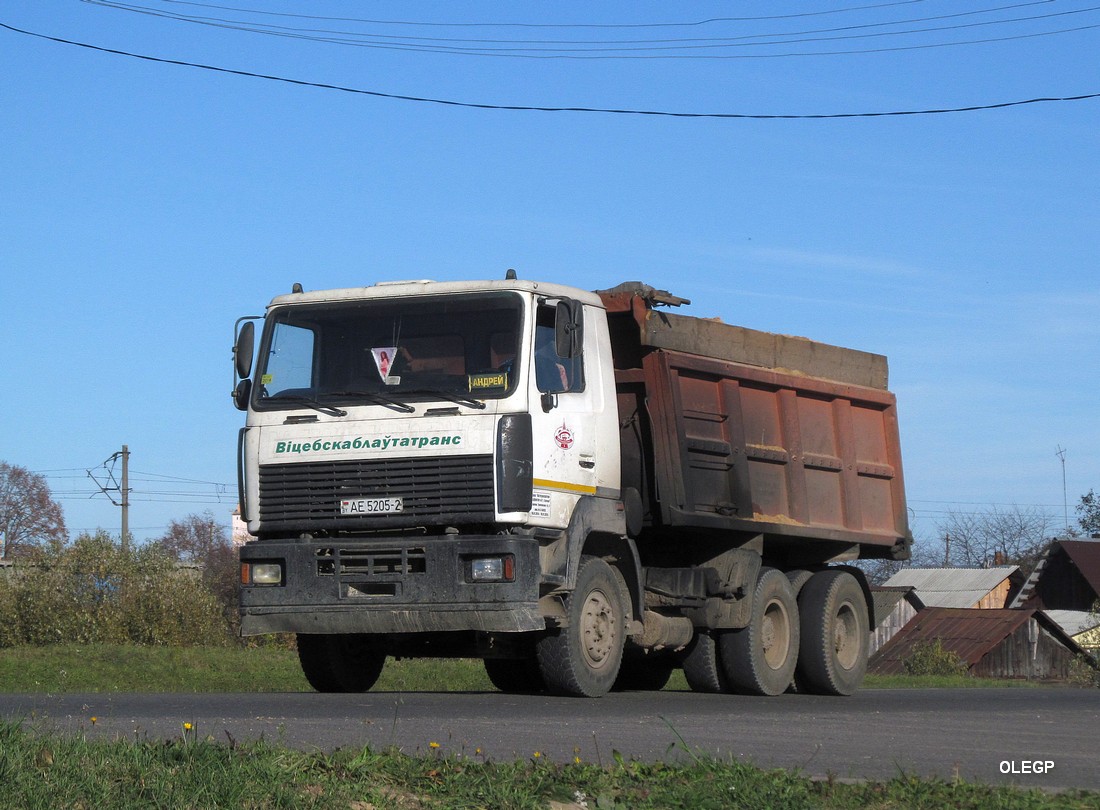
570 410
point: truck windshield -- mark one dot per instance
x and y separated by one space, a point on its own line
459 348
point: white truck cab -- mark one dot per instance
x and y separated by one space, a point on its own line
446 430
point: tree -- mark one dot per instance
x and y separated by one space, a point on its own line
1088 513
879 571
1015 536
194 539
202 541
29 516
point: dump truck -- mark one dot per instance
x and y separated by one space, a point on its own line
586 490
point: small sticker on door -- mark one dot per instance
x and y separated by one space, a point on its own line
563 437
540 504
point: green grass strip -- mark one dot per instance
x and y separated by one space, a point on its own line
130 668
49 771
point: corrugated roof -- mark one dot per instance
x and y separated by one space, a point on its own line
952 587
1074 621
886 598
970 634
1086 556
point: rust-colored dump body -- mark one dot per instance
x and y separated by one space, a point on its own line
733 430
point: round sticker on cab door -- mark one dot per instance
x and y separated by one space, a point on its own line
563 437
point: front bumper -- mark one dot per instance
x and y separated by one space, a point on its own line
392 585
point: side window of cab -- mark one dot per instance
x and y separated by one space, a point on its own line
559 366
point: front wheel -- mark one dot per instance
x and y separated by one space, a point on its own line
583 658
760 659
342 662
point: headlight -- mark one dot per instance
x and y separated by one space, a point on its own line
262 573
492 569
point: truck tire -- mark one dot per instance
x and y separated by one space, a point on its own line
583 658
643 672
340 663
760 659
702 667
798 579
833 656
515 676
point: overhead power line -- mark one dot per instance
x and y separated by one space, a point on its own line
668 48
142 487
708 21
536 108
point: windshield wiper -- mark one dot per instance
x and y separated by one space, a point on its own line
469 402
381 399
328 410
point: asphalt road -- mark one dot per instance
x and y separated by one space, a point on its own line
987 735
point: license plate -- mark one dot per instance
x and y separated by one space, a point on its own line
371 506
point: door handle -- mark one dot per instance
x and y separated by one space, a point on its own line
587 462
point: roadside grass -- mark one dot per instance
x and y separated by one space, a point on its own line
45 770
126 668
131 668
946 682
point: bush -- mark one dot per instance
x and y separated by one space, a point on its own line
96 591
1085 669
11 627
1083 672
930 658
201 541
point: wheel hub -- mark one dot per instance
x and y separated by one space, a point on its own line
844 637
598 629
775 635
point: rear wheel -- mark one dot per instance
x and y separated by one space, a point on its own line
583 658
642 671
516 676
798 579
340 663
760 659
835 628
702 666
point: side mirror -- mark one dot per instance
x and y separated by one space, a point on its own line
567 328
243 349
241 394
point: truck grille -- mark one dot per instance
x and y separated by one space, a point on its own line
434 491
371 561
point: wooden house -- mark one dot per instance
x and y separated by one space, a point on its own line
1067 577
895 607
993 643
984 588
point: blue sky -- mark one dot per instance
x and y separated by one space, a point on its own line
146 206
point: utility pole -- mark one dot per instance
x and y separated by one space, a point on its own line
1061 453
110 485
125 498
